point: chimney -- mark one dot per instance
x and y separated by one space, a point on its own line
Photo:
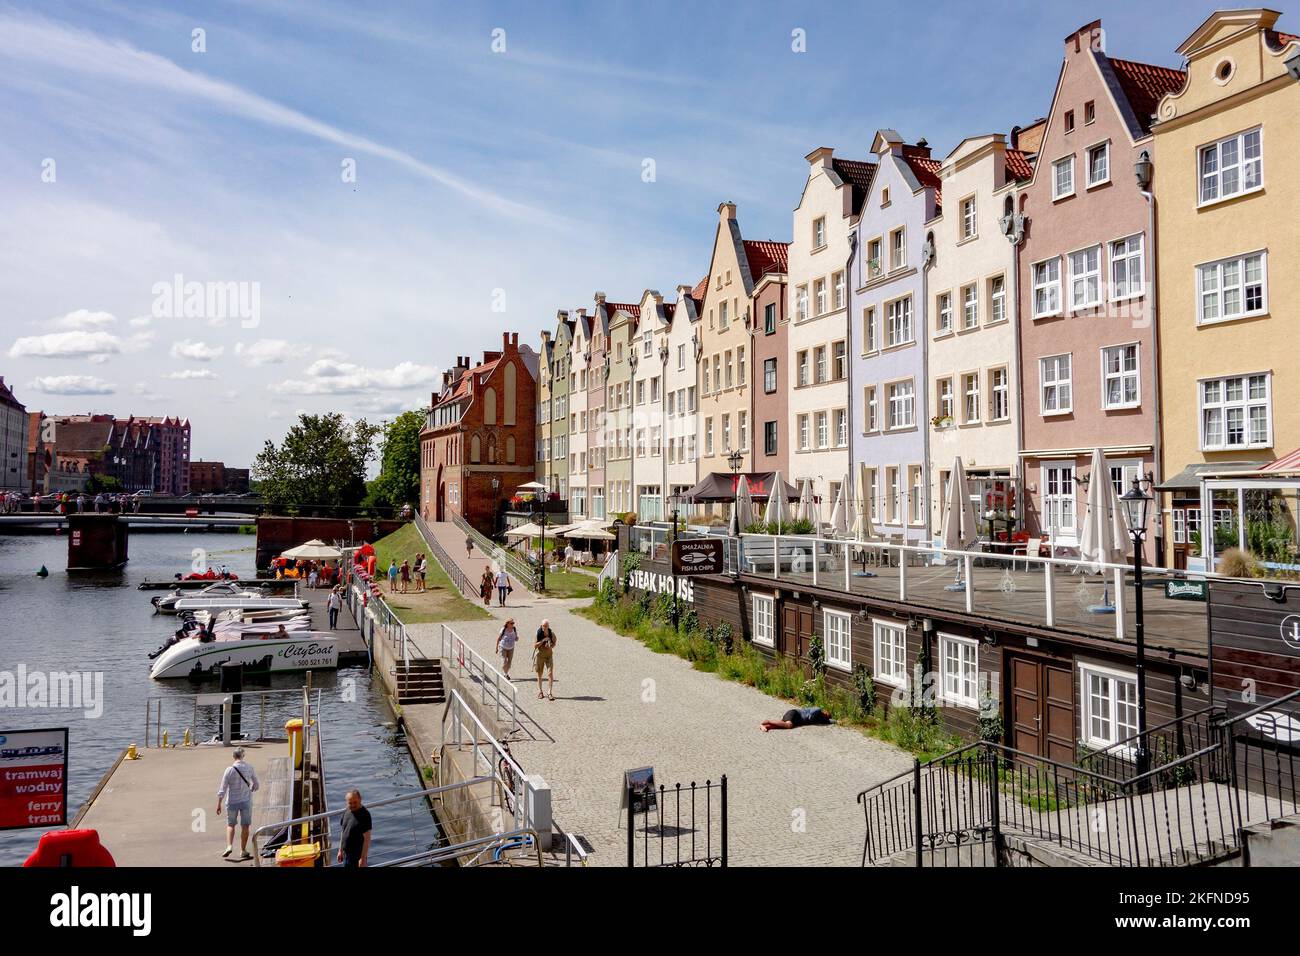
922 148
600 298
1088 37
726 210
820 158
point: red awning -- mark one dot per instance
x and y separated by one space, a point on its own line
720 486
1289 462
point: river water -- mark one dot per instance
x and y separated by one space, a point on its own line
101 623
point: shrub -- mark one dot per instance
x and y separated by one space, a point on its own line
1236 563
865 684
817 657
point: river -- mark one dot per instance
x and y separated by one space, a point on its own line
101 623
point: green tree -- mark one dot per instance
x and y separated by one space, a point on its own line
321 462
399 463
97 483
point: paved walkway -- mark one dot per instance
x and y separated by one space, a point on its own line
619 706
452 540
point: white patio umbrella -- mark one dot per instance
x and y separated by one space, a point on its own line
531 486
959 527
776 512
863 530
743 510
314 550
528 530
1104 530
839 515
806 511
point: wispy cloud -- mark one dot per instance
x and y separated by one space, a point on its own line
328 377
73 385
95 346
190 374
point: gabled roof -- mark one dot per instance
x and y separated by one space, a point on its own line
1278 40
925 169
766 256
701 287
1144 84
1018 165
857 174
630 308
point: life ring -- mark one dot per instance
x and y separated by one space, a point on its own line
70 848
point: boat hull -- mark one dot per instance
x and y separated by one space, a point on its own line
195 660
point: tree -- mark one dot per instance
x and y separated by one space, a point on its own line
321 463
399 463
97 483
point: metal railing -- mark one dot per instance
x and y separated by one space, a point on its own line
375 618
1262 759
690 827
490 758
469 664
274 708
454 570
513 563
609 572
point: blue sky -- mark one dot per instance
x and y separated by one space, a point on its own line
491 188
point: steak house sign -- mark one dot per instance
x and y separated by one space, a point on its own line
662 583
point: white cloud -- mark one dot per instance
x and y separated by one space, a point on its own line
328 377
140 321
85 320
96 346
73 385
196 351
268 352
381 406
145 393
192 373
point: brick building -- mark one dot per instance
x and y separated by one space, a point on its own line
481 428
207 477
13 440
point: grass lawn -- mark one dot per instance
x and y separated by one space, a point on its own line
570 584
440 601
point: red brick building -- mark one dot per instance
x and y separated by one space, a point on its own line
481 427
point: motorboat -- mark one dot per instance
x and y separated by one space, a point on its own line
166 603
237 602
199 655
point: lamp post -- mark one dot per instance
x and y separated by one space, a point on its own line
675 501
734 460
496 504
1137 506
539 515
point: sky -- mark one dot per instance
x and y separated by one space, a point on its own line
310 207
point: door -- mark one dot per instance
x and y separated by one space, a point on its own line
796 630
1042 707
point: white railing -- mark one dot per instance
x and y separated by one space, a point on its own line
609 572
375 618
513 563
468 663
462 729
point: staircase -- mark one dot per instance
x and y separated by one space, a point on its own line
420 682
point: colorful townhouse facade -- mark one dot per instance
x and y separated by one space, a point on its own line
619 407
543 469
815 368
560 362
1227 199
889 344
682 386
14 422
1088 352
769 350
597 377
579 422
649 410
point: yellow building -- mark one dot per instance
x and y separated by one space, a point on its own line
1227 190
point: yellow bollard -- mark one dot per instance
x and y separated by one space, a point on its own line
164 739
185 741
293 730
131 754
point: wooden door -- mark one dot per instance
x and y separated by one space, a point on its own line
796 630
1041 707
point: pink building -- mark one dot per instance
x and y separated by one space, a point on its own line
1086 338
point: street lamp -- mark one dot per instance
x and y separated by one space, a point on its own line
675 502
1137 505
496 503
734 460
539 515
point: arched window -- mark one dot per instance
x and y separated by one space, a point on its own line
475 450
492 451
510 449
508 412
490 407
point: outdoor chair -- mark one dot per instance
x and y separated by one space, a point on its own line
1030 549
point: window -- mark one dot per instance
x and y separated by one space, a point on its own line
1232 166
1058 500
742 421
968 218
801 303
900 405
722 314
1119 376
890 642
970 307
1127 269
871 409
1232 288
1054 372
999 395
769 319
839 361
726 433
884 196
841 428
1085 278
916 497
943 314
819 297
1236 412
838 627
727 365
997 299
690 399
819 364
1110 708
874 265
654 389
681 357
706 376
764 618
823 432
870 340
872 498
837 280
1098 164
900 321
1063 178
769 438
769 375
803 367
819 232
945 400
970 386
959 663
898 249
708 436
1069 121
640 392
1047 287
1089 112
803 432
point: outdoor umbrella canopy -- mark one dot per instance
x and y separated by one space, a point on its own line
590 533
807 507
531 486
1104 531
862 527
528 530
314 550
744 509
959 530
776 513
839 515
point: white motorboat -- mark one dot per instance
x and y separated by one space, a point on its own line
166 603
274 652
237 602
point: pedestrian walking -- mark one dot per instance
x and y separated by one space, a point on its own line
485 587
506 642
238 784
354 845
332 604
406 576
421 569
504 586
544 658
392 575
469 546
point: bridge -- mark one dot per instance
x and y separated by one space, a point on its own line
56 523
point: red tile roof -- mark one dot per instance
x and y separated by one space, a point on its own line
1278 40
628 307
701 287
1145 85
1018 165
925 168
766 256
858 175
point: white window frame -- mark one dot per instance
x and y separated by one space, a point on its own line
1112 677
1076 304
1055 384
902 402
1219 268
1104 146
837 656
1107 375
1239 140
970 307
764 621
970 398
969 220
1059 501
1000 392
1050 286
945 403
997 299
1057 191
1134 261
898 249
899 322
943 314
890 668
1224 405
954 686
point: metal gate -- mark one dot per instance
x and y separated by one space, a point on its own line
678 826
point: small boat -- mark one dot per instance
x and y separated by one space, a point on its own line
166 603
197 659
239 603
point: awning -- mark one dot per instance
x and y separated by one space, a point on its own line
1286 464
1189 479
721 487
314 550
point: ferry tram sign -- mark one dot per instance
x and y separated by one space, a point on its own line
697 556
33 778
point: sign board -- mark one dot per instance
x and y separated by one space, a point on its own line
33 778
1187 590
698 556
639 784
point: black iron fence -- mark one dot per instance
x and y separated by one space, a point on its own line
678 826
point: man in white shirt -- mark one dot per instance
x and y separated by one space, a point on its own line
333 603
238 784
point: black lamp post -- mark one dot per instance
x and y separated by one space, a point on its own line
734 460
539 515
1137 506
675 501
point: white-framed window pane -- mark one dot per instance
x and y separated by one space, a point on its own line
1085 278
959 663
1127 268
764 617
838 644
1047 287
890 643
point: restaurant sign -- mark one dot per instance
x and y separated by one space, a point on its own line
697 556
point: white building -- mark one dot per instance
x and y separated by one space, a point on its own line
13 441
682 387
580 428
650 405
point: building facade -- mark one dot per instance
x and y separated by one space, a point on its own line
1087 348
650 408
1228 281
597 442
681 382
769 335
579 355
13 441
619 409
558 370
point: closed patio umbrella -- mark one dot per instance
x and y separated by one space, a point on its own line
959 528
863 529
743 510
839 515
806 505
1104 531
777 513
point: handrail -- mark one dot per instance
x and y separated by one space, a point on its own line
1129 743
458 710
476 846
361 599
154 707
1228 721
454 570
454 652
514 564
